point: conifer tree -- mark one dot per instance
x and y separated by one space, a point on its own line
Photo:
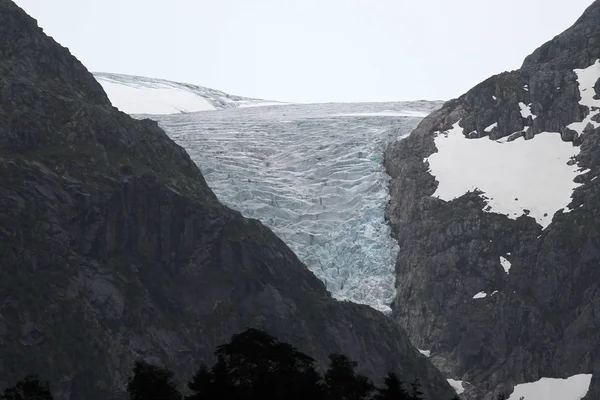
212 384
255 365
416 393
150 382
393 389
343 383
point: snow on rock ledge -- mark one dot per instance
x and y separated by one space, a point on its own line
517 177
587 78
572 388
456 385
426 353
505 264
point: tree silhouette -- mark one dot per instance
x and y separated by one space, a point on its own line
415 388
150 382
29 388
255 365
213 384
343 383
201 384
393 389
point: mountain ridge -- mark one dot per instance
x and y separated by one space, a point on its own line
537 322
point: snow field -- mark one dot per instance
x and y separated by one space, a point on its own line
522 176
165 100
529 177
572 388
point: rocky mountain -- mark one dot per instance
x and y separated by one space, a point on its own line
113 248
141 95
496 209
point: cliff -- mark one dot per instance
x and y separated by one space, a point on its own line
535 269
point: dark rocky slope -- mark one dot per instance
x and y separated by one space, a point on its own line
112 247
544 321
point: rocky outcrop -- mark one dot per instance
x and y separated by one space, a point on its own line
112 246
541 322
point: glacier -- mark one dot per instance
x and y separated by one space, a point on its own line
311 172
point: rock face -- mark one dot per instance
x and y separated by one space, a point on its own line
543 321
112 246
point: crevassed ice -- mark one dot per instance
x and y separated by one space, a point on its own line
313 173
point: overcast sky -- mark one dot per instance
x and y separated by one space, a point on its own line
308 50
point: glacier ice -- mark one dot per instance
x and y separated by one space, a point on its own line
313 173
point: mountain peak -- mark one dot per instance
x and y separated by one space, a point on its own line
576 47
28 54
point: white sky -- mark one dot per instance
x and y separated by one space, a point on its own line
308 50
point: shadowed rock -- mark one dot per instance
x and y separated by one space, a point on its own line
112 246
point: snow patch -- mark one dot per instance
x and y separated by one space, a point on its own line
534 172
587 78
572 388
494 97
456 385
493 293
492 126
505 264
480 295
526 111
426 353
